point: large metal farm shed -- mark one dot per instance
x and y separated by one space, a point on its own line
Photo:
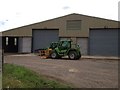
79 28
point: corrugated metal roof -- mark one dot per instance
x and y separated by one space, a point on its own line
60 23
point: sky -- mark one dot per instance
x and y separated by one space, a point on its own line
16 13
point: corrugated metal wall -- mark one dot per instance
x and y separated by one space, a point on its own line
25 44
83 43
73 25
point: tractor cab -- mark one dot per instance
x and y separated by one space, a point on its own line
64 44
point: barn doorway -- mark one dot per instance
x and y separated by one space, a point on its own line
10 44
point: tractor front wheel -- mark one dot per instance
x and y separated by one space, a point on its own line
54 55
72 55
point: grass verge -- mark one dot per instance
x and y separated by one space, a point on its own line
20 77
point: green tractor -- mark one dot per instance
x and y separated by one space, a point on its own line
64 48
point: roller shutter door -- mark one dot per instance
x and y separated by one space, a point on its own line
43 38
103 42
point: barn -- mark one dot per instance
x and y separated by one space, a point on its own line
95 36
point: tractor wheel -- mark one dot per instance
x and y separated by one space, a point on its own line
54 55
79 56
72 55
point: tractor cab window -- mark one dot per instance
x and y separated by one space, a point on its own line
64 45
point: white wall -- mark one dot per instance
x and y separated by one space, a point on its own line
25 44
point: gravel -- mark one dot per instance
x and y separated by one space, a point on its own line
83 73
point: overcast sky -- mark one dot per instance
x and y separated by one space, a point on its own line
16 13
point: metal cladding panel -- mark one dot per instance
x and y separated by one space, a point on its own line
103 42
25 44
73 25
83 43
43 38
20 42
65 38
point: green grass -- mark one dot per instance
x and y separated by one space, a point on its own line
20 77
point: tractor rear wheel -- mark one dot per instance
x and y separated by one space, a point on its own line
79 56
72 55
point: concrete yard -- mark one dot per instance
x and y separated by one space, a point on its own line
83 73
